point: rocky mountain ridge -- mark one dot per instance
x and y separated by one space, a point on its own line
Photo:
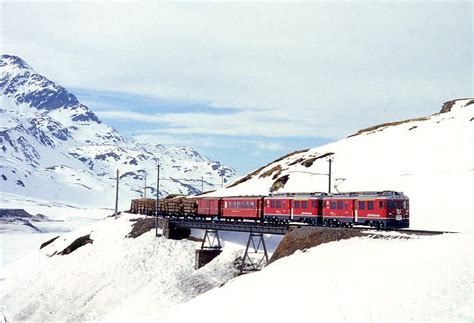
54 147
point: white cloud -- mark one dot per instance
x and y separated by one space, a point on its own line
166 139
355 64
243 123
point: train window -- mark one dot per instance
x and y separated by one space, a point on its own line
304 204
345 205
361 205
252 205
370 205
391 205
278 204
380 204
339 205
273 204
314 204
297 204
333 205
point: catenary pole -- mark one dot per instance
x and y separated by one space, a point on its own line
329 174
144 188
116 194
157 198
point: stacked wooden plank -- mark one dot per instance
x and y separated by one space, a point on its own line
143 206
173 204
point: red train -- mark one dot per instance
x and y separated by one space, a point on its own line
385 209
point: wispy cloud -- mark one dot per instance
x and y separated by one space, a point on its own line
242 123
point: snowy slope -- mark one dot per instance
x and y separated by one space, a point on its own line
53 147
114 277
360 279
429 159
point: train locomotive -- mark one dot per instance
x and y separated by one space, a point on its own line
379 209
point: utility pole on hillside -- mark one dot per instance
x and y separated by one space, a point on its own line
157 198
330 159
144 188
117 193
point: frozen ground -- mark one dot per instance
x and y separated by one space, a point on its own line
361 279
17 241
113 278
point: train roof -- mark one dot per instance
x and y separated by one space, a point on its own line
368 194
243 197
315 195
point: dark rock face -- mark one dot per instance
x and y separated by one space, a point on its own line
447 106
47 95
17 213
44 244
305 238
13 60
76 244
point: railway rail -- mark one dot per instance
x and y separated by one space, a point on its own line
279 229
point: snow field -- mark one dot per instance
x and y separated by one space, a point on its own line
112 278
361 279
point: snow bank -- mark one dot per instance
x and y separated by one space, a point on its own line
360 279
111 278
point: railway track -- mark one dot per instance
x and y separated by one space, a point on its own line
269 228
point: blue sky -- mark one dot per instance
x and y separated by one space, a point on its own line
247 82
247 152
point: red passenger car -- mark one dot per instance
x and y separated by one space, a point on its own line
243 207
292 207
277 208
209 206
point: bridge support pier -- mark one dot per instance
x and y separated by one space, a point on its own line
256 260
210 248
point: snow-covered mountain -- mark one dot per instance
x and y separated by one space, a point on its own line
53 147
430 159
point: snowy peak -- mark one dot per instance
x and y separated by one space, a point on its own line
21 84
53 146
12 63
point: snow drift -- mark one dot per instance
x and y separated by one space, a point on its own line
108 276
